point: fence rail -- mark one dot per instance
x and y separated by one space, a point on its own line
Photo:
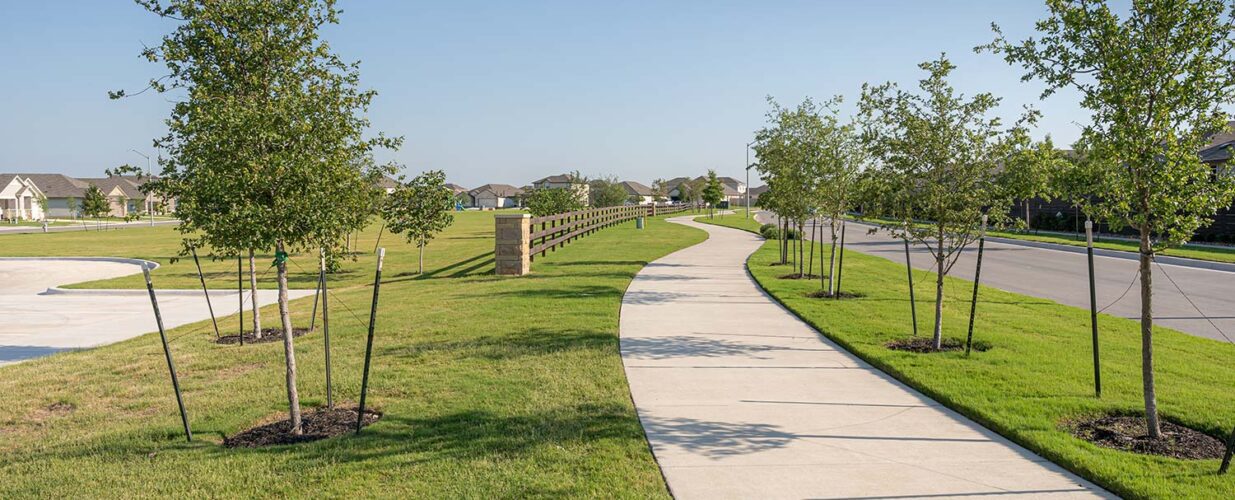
519 237
552 231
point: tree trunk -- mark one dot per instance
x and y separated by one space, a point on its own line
289 350
421 270
810 266
1027 225
937 338
832 261
257 318
1147 337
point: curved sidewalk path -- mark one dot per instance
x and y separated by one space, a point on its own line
740 399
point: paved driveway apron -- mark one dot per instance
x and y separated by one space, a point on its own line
740 399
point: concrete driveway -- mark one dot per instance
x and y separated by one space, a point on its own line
1060 273
39 319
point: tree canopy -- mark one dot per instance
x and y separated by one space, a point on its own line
419 209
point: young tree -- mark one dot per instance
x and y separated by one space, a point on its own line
1156 82
789 152
843 159
266 148
95 204
1028 174
939 155
606 192
713 193
659 191
421 208
549 201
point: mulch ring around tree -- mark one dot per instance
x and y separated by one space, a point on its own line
268 335
799 276
317 424
823 294
924 345
1129 433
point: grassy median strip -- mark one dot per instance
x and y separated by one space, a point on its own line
1038 373
490 386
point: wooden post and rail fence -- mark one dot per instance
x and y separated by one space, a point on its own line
520 237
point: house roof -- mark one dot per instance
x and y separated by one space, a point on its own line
756 191
456 188
387 182
501 190
63 186
556 179
635 188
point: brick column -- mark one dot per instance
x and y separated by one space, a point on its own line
513 236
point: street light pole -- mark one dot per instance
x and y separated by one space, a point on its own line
748 165
149 206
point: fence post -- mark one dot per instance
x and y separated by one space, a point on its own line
512 256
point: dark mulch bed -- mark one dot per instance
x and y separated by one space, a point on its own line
823 294
317 424
924 345
268 335
1127 433
799 276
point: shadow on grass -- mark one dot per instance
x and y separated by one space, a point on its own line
528 342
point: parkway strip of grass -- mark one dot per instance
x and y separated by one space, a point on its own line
489 386
1038 374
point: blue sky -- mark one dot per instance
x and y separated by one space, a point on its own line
511 91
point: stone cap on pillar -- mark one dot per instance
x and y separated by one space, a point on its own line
512 216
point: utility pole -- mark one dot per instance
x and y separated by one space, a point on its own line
149 206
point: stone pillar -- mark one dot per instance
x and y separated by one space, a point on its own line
513 237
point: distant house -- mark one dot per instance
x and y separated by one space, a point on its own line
460 194
387 183
734 190
564 181
495 196
64 194
755 192
638 193
20 198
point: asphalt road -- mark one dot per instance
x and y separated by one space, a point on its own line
1060 273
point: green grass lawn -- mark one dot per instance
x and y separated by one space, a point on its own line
1215 254
1038 373
490 386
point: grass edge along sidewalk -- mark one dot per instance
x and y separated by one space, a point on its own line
489 387
1038 374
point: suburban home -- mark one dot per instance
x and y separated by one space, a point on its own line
734 190
564 181
639 194
20 198
495 196
64 194
755 192
460 194
387 183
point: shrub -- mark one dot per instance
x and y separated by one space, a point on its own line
771 232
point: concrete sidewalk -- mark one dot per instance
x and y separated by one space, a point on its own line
740 399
